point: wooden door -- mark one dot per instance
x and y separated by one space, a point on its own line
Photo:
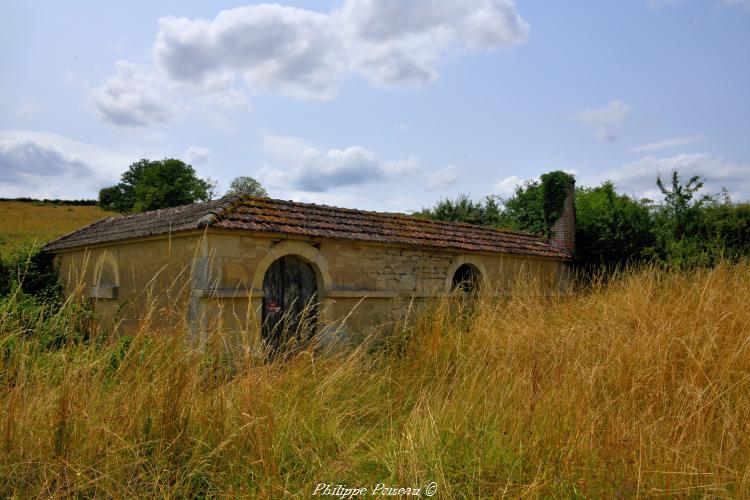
289 303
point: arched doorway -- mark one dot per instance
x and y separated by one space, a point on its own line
467 279
290 289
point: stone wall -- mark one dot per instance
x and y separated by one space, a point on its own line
400 270
563 230
214 281
125 281
366 283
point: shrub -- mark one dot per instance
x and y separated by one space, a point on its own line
4 277
33 273
611 229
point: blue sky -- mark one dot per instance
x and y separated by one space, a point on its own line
384 105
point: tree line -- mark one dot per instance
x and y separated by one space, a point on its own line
682 230
55 201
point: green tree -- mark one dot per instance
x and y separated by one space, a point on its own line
533 207
680 211
525 209
701 232
611 229
113 198
729 224
463 209
677 225
247 186
150 185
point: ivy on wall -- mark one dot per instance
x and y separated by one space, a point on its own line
553 186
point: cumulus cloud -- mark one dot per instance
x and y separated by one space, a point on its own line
305 54
50 165
397 43
665 144
639 177
196 155
339 167
606 120
311 170
132 97
507 186
23 161
442 178
136 97
275 48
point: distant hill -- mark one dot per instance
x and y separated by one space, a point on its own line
34 220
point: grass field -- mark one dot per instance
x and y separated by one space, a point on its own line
41 222
640 387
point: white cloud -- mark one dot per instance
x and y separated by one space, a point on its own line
339 167
507 186
306 173
397 43
302 53
136 97
307 169
665 144
639 177
402 169
50 165
442 178
196 155
275 48
606 120
132 97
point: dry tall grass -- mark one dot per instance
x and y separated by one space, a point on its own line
638 387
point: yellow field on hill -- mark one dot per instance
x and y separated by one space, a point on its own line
41 222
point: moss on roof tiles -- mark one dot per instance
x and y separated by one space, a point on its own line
308 220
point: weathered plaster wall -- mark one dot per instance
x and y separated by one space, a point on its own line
126 280
386 277
213 281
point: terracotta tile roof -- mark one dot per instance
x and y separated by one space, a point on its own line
139 225
308 220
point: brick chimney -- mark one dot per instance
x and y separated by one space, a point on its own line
563 230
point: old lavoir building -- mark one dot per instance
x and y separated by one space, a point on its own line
239 262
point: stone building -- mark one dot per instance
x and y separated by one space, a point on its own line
240 262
